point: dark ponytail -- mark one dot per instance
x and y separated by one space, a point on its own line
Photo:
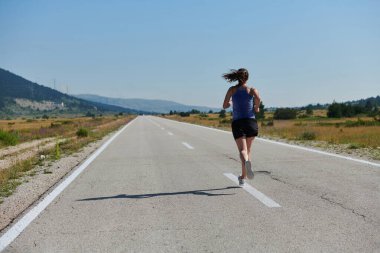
240 75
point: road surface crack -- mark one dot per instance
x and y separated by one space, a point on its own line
324 197
232 158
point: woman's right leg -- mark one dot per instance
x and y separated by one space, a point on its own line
243 152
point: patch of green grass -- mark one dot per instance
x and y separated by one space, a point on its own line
308 135
9 138
354 146
82 132
9 178
7 189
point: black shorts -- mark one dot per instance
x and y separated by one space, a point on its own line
244 127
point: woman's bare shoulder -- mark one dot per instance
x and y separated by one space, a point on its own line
232 89
253 91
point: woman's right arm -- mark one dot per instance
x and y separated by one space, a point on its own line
255 94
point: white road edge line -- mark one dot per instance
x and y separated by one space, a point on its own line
17 228
187 145
170 133
254 192
292 146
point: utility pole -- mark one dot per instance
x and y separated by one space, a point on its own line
54 82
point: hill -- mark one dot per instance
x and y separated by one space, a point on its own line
150 105
20 97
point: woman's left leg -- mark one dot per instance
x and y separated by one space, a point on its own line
249 144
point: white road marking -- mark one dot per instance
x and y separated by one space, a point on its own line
17 228
320 152
154 123
162 128
254 192
170 133
290 146
187 145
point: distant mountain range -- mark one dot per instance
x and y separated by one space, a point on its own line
148 105
20 97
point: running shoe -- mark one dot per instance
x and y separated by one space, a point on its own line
248 167
241 180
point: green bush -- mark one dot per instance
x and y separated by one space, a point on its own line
9 138
261 113
355 146
184 114
309 110
82 132
222 114
308 135
361 122
285 113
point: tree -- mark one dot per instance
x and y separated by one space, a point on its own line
260 114
309 110
193 111
369 105
184 114
334 110
222 113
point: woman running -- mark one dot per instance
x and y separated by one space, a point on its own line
245 103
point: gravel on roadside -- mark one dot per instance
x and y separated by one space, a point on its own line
40 180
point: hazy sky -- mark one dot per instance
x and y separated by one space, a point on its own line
297 52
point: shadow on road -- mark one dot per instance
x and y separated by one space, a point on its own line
150 195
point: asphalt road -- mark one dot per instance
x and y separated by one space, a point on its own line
161 186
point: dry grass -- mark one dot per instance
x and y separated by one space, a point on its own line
363 136
28 130
66 128
10 178
333 131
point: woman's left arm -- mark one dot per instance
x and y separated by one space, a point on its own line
227 99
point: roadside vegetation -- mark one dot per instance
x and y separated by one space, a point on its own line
306 125
70 135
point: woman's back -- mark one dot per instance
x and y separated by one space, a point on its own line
242 103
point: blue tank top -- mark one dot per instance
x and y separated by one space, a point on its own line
242 104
